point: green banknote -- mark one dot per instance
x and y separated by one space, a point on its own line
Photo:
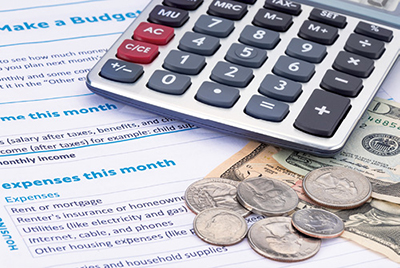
373 149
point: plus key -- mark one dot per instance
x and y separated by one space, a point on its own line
323 113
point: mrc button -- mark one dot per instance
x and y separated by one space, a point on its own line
136 51
227 9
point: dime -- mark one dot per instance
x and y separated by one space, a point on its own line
318 223
219 226
214 192
275 238
337 187
267 196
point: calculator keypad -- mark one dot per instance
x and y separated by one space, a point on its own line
232 71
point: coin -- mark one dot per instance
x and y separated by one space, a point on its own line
267 196
276 239
214 192
219 226
318 223
337 187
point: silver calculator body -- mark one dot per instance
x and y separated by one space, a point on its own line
248 122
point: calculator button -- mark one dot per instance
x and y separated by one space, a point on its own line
295 69
323 113
306 50
247 1
153 33
199 43
353 64
231 75
137 51
284 6
168 16
341 83
183 4
246 56
217 95
328 17
365 46
214 26
273 20
170 83
374 31
280 88
121 71
183 62
318 32
227 9
259 37
267 109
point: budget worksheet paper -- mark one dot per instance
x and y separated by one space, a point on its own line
87 182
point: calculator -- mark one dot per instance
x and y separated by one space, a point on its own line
297 75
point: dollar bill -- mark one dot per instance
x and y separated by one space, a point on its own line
254 160
373 149
373 225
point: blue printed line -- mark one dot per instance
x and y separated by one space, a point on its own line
105 143
47 6
62 39
45 99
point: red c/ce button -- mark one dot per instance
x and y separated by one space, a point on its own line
136 51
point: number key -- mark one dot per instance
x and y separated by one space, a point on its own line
214 26
306 50
246 56
183 62
199 43
259 37
231 75
294 69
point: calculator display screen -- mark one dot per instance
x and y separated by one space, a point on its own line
381 11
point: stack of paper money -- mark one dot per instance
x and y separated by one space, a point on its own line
373 150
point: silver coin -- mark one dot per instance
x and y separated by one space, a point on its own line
219 226
276 239
337 187
267 196
318 223
214 192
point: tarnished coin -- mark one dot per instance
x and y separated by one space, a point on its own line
276 239
267 196
318 223
214 192
219 226
337 187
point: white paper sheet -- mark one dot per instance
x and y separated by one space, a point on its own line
88 182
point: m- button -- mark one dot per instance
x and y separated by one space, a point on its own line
136 51
317 119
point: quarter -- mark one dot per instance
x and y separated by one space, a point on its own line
214 192
337 187
266 196
276 239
